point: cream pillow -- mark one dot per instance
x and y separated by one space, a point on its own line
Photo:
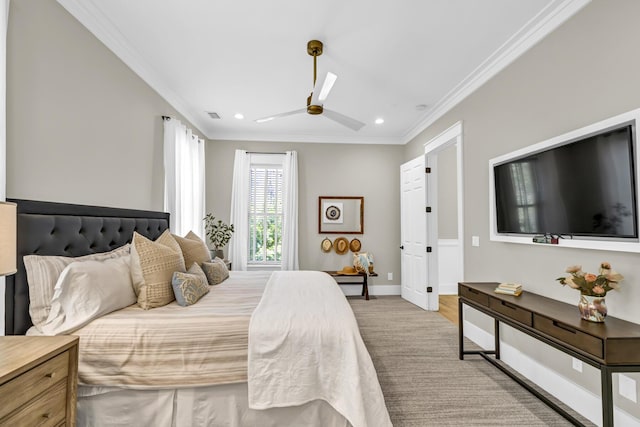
216 271
87 290
193 249
152 267
42 275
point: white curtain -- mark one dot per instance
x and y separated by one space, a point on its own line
290 208
239 243
183 178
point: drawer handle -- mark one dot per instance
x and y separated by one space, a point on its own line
506 304
563 327
50 375
47 415
473 291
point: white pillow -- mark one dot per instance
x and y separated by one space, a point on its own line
86 290
43 273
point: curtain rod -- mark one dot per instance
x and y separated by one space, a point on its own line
261 152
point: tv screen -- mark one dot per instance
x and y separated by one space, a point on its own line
584 188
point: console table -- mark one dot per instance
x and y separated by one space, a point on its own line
361 276
612 346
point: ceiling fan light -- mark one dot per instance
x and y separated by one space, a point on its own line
379 121
326 87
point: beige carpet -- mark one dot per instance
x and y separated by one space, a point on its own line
425 384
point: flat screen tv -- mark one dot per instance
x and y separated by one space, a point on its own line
586 187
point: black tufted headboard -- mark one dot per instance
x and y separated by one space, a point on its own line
46 228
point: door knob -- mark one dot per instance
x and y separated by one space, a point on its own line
402 247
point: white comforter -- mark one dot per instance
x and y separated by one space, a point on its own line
304 344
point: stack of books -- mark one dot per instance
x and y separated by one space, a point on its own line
514 289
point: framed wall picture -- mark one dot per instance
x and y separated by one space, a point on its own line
341 214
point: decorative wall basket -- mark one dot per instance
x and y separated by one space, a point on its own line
592 308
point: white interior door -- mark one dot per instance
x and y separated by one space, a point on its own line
414 232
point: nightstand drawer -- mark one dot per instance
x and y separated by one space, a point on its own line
511 311
567 334
473 295
46 409
24 387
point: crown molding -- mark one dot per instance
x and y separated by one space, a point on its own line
89 14
538 27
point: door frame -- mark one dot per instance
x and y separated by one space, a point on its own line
450 137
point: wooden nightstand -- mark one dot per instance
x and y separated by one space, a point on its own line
38 380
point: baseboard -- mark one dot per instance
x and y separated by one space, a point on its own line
356 289
579 399
448 289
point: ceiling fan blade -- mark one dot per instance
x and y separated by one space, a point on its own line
343 120
277 116
322 89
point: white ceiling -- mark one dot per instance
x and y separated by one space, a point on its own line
250 57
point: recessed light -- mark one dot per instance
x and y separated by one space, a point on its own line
379 121
239 116
421 107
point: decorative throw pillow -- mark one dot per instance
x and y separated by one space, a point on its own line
193 248
363 262
86 290
152 267
42 275
216 271
189 287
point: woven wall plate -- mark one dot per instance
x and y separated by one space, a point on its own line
326 245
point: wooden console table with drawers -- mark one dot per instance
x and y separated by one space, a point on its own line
612 346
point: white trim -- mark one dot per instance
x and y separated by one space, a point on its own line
573 395
550 18
356 289
448 254
583 243
453 136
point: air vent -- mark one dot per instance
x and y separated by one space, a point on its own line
213 115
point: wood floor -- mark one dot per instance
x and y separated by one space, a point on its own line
449 307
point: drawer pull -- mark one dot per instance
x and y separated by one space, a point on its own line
46 415
50 375
563 327
473 291
506 304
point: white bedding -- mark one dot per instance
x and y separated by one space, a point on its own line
305 345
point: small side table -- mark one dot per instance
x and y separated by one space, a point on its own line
338 277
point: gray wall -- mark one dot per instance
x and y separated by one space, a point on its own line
584 72
372 171
81 126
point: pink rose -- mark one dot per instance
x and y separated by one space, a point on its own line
598 290
590 277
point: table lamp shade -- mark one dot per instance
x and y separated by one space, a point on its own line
7 238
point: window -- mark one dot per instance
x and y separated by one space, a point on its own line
265 213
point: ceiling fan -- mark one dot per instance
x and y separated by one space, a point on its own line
319 95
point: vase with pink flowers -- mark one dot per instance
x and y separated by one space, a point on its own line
593 289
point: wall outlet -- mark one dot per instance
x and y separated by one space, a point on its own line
576 364
475 240
627 388
389 276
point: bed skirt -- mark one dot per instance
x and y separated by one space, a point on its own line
220 405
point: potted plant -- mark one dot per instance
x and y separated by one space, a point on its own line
218 234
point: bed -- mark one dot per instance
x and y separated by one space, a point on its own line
305 366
